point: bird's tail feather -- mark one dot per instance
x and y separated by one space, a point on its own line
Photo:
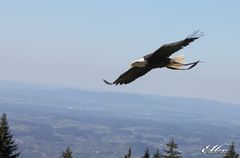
177 62
193 64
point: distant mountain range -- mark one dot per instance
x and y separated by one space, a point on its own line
45 120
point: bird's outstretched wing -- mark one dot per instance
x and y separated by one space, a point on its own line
130 75
168 49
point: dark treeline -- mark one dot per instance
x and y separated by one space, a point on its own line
9 149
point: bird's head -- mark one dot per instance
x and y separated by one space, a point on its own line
134 64
139 63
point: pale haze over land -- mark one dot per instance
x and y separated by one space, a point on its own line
78 43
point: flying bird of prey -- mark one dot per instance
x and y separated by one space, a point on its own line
158 59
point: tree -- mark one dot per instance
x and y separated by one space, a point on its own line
231 153
146 154
67 153
8 148
129 153
157 155
171 150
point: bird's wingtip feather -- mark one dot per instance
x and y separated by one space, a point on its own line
196 34
194 64
105 81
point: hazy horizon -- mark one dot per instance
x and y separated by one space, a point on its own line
43 86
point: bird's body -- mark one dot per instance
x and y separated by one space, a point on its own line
158 59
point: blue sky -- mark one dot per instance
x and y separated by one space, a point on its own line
78 43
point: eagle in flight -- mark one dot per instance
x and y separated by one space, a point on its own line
158 59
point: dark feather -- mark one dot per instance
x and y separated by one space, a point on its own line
109 83
130 75
168 49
